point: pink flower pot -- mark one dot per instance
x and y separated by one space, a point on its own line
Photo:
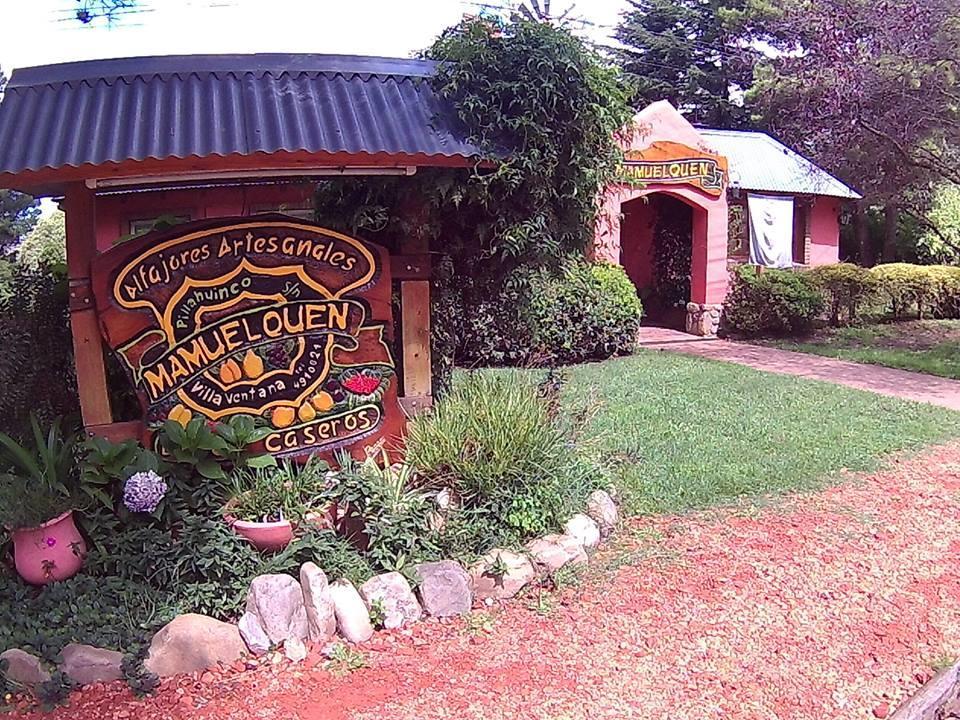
268 536
53 551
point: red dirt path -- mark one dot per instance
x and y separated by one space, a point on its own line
833 605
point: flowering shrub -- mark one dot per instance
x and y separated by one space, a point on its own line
143 491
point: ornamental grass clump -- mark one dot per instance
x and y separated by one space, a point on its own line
285 492
515 460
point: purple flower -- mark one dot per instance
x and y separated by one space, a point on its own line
51 541
143 491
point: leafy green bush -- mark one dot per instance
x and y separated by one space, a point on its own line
36 365
918 290
771 302
904 287
516 465
386 515
587 311
944 302
847 288
332 552
582 311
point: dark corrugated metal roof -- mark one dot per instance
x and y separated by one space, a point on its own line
110 111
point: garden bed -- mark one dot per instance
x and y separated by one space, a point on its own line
669 433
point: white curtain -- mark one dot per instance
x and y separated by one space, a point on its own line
771 230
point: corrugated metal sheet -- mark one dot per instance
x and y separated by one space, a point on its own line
759 162
109 111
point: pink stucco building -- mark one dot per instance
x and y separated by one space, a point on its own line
705 184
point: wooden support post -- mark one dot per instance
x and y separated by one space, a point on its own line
415 323
87 346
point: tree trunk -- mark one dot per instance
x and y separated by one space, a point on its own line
861 229
891 215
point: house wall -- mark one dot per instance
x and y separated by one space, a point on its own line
114 213
825 231
636 242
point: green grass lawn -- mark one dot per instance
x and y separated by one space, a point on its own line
688 433
926 346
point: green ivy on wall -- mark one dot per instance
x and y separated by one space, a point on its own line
673 248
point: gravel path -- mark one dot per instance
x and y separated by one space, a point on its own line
882 380
828 605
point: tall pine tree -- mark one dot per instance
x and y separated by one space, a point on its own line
692 53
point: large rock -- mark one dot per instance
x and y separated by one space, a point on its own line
295 650
584 529
193 642
392 593
444 588
253 634
276 601
353 618
552 552
321 618
85 664
603 510
23 668
500 575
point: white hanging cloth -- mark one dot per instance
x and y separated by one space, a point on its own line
771 230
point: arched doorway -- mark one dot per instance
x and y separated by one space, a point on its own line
671 186
656 250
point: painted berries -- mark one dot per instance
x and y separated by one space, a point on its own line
362 383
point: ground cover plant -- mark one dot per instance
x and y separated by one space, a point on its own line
686 432
926 346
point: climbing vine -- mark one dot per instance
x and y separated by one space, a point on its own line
545 110
673 247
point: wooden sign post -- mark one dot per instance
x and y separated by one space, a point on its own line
270 316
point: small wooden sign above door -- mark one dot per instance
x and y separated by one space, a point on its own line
672 163
268 316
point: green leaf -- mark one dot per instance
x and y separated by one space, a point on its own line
259 462
210 469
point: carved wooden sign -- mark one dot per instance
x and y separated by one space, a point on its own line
672 163
268 316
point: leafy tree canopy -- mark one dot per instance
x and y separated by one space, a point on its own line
940 241
868 88
545 109
46 245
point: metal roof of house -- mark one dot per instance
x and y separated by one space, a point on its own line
131 109
759 162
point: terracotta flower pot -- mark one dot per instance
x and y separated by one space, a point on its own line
53 551
267 536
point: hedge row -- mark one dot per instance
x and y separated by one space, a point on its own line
787 302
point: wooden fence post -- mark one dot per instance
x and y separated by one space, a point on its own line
80 209
415 324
